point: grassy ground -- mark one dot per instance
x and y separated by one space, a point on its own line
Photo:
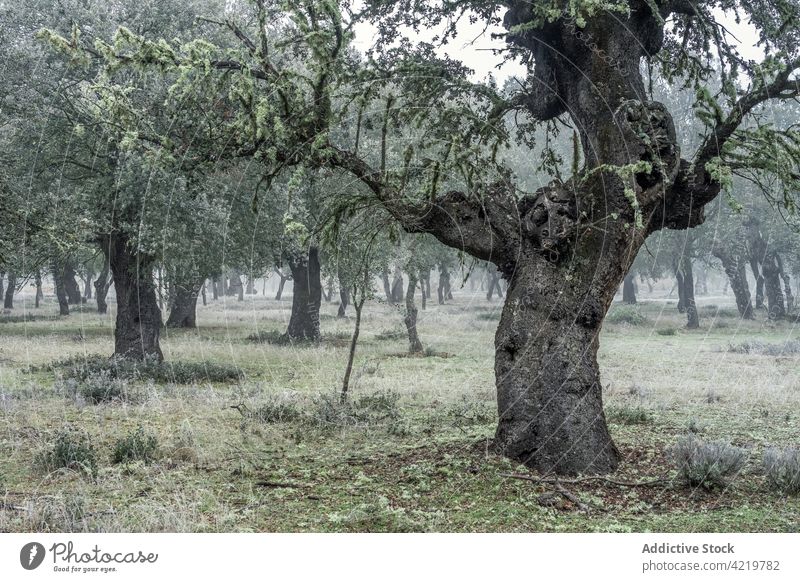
420 465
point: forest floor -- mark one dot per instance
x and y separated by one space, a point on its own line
274 452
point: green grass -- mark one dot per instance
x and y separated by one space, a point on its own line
248 455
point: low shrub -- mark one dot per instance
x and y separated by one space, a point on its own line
82 368
328 410
629 415
707 464
71 449
137 445
470 412
276 410
782 469
626 314
764 348
27 318
667 331
267 337
390 335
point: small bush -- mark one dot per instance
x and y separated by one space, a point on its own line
277 410
390 335
267 337
184 444
667 331
369 409
721 311
694 426
71 449
707 464
627 314
765 349
728 313
135 446
101 387
629 415
82 368
24 318
470 412
782 468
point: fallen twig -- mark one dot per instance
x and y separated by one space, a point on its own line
11 507
277 485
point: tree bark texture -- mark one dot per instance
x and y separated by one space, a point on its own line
138 323
306 297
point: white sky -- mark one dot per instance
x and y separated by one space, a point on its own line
474 48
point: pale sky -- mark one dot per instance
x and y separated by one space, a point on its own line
474 48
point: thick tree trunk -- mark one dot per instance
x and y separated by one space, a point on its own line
755 268
281 283
689 303
214 288
103 284
8 299
787 288
423 274
203 293
681 293
39 292
183 311
629 290
71 286
422 291
397 286
735 269
410 319
236 287
776 308
138 324
61 293
251 288
306 297
548 381
494 283
443 291
344 300
787 284
387 287
87 285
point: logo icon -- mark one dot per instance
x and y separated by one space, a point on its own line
32 555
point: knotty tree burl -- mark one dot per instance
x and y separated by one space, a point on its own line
304 97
